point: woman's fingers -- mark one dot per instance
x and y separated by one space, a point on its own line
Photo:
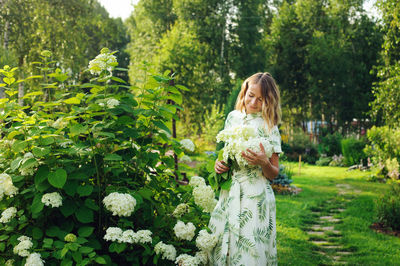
220 167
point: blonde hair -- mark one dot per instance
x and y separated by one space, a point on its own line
271 106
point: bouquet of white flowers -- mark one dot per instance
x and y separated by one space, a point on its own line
237 140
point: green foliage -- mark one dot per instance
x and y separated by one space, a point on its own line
213 122
383 147
352 150
300 144
389 208
284 177
330 144
85 145
323 161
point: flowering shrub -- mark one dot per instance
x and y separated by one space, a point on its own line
86 172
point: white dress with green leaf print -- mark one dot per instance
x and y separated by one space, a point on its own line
245 216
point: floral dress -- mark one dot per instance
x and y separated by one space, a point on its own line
244 217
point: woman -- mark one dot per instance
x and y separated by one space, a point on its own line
244 218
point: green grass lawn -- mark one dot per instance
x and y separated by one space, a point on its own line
319 193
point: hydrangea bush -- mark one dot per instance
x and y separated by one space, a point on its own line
87 176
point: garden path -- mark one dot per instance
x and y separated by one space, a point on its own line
323 234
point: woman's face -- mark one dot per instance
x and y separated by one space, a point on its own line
252 99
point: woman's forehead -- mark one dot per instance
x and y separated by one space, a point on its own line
255 88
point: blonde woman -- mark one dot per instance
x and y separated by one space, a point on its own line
245 216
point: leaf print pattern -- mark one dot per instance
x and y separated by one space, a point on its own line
244 218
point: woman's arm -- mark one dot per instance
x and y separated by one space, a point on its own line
270 167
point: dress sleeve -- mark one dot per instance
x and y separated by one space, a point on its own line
273 136
228 121
276 140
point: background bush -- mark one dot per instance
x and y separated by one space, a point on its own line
353 151
389 208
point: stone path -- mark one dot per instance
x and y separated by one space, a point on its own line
323 233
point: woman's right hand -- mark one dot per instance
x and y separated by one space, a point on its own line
220 167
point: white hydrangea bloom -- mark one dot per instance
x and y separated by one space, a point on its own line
143 236
53 199
204 197
187 260
184 231
8 214
31 169
196 181
7 187
34 259
185 159
238 139
120 204
188 145
202 257
113 234
128 236
104 61
23 246
9 262
180 210
206 241
111 103
168 251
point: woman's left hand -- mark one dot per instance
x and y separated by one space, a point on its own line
256 158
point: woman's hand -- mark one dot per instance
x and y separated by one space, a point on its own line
269 166
220 167
256 158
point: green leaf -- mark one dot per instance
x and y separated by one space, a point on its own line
77 129
77 256
145 193
85 250
29 163
4 237
72 100
37 205
85 231
70 187
12 134
226 185
162 126
40 152
46 140
68 208
112 157
100 260
37 233
177 98
58 178
19 146
47 243
84 215
85 190
118 80
91 204
35 93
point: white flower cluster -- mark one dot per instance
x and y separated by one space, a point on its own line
206 241
120 204
202 257
128 236
196 181
168 251
240 138
185 159
23 246
204 197
9 262
111 103
184 231
104 61
8 214
187 260
34 260
188 145
6 186
31 169
180 210
53 199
